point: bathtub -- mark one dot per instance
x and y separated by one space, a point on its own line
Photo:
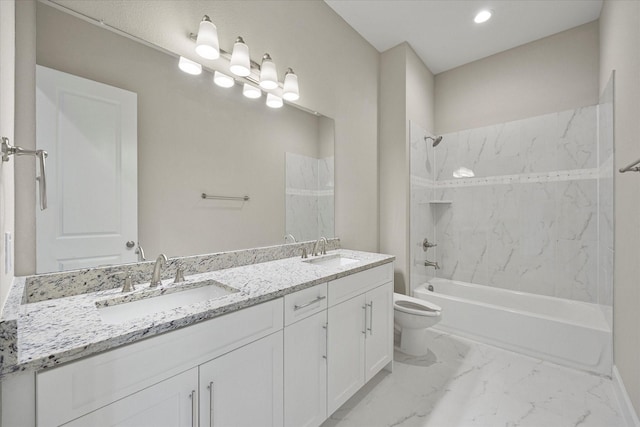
569 333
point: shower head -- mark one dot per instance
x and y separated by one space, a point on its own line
435 140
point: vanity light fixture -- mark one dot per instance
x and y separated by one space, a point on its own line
207 44
274 101
240 61
223 80
290 90
251 91
189 66
483 16
255 77
268 73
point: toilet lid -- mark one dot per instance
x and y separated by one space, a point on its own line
415 306
412 305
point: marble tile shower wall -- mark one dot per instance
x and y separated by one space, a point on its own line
309 197
529 219
605 199
422 219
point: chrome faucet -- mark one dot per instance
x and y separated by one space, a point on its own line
432 264
316 247
155 278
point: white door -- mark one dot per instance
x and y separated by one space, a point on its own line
243 388
89 130
345 352
379 342
169 403
305 372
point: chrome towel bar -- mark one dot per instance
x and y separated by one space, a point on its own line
211 197
633 167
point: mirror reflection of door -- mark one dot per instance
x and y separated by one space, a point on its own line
89 130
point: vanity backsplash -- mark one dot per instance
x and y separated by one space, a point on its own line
49 286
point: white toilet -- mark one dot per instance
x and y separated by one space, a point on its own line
413 316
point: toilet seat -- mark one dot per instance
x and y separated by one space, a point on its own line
415 306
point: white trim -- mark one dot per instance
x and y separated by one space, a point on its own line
628 412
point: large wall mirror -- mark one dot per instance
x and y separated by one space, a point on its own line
192 137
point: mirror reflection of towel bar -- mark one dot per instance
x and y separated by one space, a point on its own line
9 150
211 197
633 167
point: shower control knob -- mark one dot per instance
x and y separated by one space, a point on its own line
426 244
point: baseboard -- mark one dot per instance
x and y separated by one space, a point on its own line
628 412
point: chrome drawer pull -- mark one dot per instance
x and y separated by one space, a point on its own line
300 307
194 411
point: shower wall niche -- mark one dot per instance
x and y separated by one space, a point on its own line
524 212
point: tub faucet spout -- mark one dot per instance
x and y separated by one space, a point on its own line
432 264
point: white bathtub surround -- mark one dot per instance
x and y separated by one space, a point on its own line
571 333
468 384
534 218
309 194
48 332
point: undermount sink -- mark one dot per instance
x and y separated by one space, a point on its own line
335 260
120 310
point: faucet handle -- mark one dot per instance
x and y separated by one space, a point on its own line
128 281
179 273
304 253
426 244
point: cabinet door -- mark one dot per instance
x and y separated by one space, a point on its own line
345 352
168 403
379 341
305 372
244 387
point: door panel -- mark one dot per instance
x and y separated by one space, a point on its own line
89 130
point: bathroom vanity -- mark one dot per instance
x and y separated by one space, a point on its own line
289 339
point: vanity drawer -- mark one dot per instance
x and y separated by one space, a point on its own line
347 287
301 304
77 388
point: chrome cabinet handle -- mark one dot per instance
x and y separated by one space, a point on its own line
210 387
326 331
300 307
364 327
194 413
370 329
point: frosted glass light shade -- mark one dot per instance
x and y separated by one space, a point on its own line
189 66
268 73
240 62
207 44
290 91
274 101
483 16
251 91
223 80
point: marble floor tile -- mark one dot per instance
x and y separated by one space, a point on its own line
461 383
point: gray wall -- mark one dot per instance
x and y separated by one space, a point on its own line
319 51
619 51
406 94
556 73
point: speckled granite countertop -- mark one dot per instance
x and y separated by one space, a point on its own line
63 329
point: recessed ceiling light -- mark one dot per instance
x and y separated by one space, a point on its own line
483 16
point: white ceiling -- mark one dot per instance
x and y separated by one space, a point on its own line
443 34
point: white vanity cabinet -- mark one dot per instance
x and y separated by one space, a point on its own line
125 384
360 331
305 363
244 388
170 403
